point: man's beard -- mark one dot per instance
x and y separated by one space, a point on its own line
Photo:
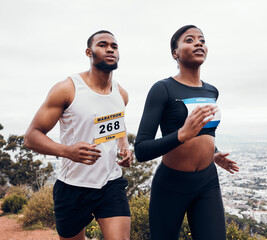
104 66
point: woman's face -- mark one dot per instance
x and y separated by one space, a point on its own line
191 49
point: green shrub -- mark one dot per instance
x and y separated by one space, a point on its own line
13 203
185 232
139 206
233 232
39 212
21 190
93 231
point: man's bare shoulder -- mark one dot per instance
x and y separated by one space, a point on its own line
62 92
63 86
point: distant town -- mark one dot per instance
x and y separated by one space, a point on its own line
245 193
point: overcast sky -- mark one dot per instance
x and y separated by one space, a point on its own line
43 42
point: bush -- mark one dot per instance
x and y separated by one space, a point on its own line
39 212
13 203
21 190
185 232
139 206
233 232
93 231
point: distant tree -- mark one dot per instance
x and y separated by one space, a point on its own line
247 223
22 169
138 174
5 160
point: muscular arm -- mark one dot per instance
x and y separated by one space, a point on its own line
46 118
146 146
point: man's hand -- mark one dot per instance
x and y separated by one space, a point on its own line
222 160
83 152
127 157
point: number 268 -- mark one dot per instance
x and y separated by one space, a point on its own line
109 127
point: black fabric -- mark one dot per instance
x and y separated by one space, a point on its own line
198 194
75 207
164 107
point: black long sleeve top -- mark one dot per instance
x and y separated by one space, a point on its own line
167 105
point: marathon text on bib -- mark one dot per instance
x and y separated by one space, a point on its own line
192 103
109 127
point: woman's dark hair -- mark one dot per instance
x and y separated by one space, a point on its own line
177 35
90 39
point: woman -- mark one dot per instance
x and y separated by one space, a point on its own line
186 180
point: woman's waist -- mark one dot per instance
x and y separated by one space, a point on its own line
185 182
194 155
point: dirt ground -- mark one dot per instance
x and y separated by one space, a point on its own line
10 229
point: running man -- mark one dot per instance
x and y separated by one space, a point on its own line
90 109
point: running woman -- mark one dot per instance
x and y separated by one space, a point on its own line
186 180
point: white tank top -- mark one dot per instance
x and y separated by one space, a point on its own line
78 124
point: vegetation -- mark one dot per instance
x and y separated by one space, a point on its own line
39 213
139 206
13 203
21 190
138 174
93 231
21 168
244 223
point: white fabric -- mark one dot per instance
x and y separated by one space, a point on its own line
76 125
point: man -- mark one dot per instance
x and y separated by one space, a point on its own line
90 108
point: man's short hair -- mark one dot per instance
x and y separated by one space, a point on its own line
90 39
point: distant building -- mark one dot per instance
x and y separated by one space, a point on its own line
260 216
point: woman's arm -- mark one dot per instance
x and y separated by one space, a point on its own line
146 146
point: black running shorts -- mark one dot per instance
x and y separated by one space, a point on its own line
75 207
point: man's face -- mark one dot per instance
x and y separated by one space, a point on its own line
104 52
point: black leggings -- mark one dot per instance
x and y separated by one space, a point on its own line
174 193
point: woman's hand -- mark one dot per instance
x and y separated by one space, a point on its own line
199 117
222 160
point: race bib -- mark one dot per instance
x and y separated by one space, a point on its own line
192 103
109 127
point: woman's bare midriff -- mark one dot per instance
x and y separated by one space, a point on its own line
193 155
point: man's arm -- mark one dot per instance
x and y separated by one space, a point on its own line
59 97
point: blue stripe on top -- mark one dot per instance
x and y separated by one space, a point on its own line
212 124
199 100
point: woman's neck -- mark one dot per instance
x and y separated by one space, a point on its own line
190 77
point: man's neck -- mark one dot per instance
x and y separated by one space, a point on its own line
98 80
